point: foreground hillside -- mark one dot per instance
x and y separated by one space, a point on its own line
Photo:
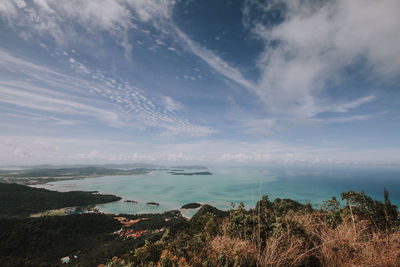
359 232
21 200
84 239
363 232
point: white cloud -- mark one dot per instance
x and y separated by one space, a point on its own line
152 9
171 105
8 8
312 48
16 149
314 44
317 40
56 18
314 41
21 153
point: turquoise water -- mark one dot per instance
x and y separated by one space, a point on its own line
235 184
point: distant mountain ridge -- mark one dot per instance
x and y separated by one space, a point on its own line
108 166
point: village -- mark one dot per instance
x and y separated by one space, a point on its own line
124 232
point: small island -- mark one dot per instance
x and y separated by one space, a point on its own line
153 204
193 205
191 173
190 167
131 201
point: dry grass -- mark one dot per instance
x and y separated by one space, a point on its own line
289 248
306 240
283 251
237 251
345 245
233 246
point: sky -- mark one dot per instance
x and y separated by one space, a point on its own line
200 81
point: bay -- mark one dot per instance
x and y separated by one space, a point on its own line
229 185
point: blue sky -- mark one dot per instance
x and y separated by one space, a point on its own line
213 82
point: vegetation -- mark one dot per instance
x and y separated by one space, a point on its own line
44 241
191 206
283 232
130 201
45 175
21 200
363 232
190 167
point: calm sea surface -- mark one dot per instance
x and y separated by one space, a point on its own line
234 184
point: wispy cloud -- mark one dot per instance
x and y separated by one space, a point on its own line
19 96
350 118
113 101
57 18
298 58
345 107
315 41
36 118
304 55
295 71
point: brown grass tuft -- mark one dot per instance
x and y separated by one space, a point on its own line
237 251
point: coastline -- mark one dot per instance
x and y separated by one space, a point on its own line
34 177
227 185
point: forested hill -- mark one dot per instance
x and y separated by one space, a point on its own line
21 200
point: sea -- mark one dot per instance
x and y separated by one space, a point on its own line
230 185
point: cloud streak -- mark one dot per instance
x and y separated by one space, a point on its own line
115 102
214 61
